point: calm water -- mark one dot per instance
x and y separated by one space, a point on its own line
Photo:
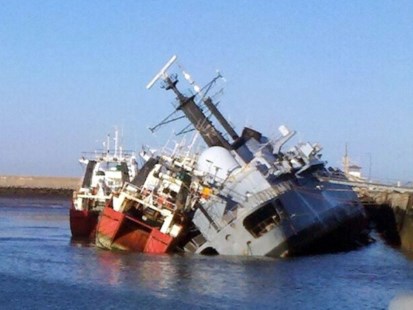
40 268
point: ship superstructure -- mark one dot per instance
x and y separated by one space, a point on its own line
254 198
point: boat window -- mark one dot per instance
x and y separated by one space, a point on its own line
173 194
263 220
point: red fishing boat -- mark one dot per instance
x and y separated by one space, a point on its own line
83 223
147 216
118 231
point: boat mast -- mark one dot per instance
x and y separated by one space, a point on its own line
192 111
116 142
346 161
221 119
107 145
210 105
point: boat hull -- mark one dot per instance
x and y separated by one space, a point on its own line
83 223
118 231
311 216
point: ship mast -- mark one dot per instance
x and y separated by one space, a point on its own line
221 119
346 161
210 105
192 111
116 143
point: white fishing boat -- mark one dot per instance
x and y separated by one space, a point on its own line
105 173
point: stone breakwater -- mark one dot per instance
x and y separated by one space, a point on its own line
38 186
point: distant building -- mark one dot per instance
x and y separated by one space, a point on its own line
351 169
354 170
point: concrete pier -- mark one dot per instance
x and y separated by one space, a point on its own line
391 206
401 205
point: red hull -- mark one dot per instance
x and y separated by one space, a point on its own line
116 230
83 223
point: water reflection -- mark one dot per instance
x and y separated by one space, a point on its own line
168 275
110 267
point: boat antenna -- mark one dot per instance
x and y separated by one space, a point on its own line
107 144
208 101
162 74
116 139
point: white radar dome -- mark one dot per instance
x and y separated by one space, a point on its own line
217 161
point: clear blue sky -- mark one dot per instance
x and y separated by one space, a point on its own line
336 71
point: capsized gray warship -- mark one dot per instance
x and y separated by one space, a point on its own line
257 199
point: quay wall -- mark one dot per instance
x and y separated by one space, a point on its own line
401 206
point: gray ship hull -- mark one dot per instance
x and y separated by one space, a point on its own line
297 219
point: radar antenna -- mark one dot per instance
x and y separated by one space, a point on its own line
162 74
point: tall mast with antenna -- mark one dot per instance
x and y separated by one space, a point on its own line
107 144
192 111
346 161
210 105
